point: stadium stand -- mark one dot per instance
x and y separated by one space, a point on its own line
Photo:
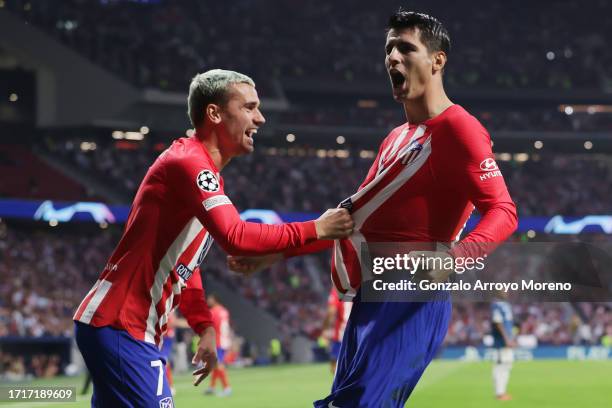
24 175
163 46
568 184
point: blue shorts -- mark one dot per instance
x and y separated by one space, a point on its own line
126 372
166 349
385 350
220 355
334 351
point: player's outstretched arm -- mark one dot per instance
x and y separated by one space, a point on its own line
334 223
201 189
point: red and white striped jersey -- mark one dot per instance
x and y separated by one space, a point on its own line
180 207
422 187
343 311
221 321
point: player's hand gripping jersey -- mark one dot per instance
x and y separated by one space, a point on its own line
178 210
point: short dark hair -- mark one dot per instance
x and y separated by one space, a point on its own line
433 33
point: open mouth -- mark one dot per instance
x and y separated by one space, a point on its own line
250 133
397 79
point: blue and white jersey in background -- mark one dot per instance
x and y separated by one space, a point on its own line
501 312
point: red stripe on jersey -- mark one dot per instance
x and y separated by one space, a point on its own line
351 262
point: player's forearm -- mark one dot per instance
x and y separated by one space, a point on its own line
495 226
207 331
251 239
196 311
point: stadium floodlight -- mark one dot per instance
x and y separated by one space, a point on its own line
521 157
134 136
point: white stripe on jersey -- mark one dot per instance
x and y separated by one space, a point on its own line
164 318
361 215
382 170
101 289
86 299
391 149
357 239
342 273
194 260
166 265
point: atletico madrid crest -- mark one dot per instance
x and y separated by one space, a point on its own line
412 152
166 403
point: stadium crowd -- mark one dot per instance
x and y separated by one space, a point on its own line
14 368
567 184
550 323
45 273
161 43
550 119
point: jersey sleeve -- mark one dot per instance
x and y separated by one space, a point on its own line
193 304
314 247
469 167
198 186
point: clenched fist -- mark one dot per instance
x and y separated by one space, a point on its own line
334 224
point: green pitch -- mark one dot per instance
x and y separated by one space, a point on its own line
538 384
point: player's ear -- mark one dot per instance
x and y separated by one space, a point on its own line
213 113
438 60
